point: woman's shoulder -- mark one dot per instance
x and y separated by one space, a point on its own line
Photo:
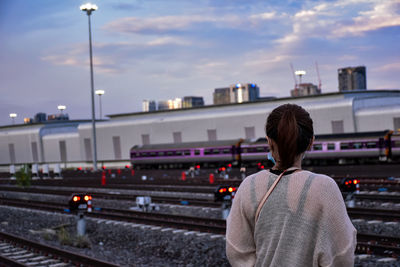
322 178
261 175
323 183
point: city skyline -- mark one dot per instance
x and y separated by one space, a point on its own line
165 49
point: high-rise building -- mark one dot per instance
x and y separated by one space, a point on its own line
163 105
149 105
222 96
170 104
192 101
237 93
352 78
305 89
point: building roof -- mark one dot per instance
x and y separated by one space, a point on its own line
354 93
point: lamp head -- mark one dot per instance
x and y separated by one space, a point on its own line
61 107
88 8
99 92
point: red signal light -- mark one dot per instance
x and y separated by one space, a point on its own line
223 168
221 190
127 166
262 167
197 166
229 165
79 168
103 167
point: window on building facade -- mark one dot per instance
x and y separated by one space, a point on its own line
117 147
11 151
35 154
63 151
396 123
250 132
337 127
145 139
177 137
88 149
212 134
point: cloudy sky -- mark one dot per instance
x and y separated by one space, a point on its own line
162 49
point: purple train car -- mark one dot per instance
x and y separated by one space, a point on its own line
327 149
184 155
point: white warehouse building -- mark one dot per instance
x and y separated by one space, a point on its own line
69 143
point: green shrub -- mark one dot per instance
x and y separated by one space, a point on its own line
23 176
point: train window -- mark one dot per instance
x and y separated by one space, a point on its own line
207 151
153 154
357 145
143 154
133 154
161 153
197 152
170 153
187 152
344 146
317 147
215 151
331 146
396 143
371 145
226 151
178 153
260 149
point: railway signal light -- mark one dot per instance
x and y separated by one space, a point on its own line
350 185
224 193
80 202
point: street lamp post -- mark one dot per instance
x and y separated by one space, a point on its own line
100 93
61 108
13 116
89 8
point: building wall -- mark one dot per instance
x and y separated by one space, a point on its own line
372 111
21 139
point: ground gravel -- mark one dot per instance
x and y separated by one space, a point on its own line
124 244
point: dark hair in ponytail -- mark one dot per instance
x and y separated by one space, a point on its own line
291 127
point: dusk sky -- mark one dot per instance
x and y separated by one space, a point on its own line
163 49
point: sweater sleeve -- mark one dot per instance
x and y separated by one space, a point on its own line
240 246
337 239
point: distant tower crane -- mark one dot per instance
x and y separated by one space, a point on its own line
319 78
294 76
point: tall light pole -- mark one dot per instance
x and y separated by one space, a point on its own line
300 73
89 8
100 93
13 116
61 108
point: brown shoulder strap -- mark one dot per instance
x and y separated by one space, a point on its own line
269 192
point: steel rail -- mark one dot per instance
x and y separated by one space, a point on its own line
65 256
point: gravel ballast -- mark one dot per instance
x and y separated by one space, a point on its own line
125 244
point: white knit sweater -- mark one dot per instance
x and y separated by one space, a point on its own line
303 223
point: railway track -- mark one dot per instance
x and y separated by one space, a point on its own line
215 226
379 245
17 251
118 196
179 221
370 244
170 199
374 214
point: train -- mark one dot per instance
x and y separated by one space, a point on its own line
352 148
